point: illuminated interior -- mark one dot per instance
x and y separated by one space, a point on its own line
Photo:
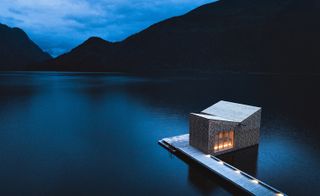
223 140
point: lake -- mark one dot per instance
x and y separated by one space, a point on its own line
97 134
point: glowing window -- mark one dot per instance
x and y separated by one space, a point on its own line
223 140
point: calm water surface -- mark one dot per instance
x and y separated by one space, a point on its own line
96 134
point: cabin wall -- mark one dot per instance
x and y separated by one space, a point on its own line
215 126
202 132
198 130
248 132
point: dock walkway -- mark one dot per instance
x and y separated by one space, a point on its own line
226 171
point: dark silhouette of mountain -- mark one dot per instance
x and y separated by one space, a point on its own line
17 50
227 35
90 56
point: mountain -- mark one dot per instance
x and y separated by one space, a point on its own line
227 35
17 50
90 55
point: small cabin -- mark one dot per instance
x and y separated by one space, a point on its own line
225 127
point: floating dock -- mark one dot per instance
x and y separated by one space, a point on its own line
217 166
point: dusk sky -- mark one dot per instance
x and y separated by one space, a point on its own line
58 26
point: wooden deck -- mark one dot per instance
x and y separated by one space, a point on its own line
226 171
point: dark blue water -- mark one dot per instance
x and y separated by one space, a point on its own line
96 134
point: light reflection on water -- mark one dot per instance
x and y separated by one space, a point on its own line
94 134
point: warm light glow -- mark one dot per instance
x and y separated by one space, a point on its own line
223 140
279 194
255 181
216 147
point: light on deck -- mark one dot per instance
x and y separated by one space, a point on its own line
255 181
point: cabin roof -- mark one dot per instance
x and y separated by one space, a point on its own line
230 111
211 117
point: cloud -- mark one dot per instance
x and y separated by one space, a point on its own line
59 25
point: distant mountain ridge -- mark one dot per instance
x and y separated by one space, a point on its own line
227 35
17 50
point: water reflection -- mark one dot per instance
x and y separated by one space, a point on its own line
206 182
245 159
93 134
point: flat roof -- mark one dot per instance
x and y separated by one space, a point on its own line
232 111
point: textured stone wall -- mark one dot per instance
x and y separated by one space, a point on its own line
248 132
198 130
202 132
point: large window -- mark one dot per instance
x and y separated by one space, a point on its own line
223 140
